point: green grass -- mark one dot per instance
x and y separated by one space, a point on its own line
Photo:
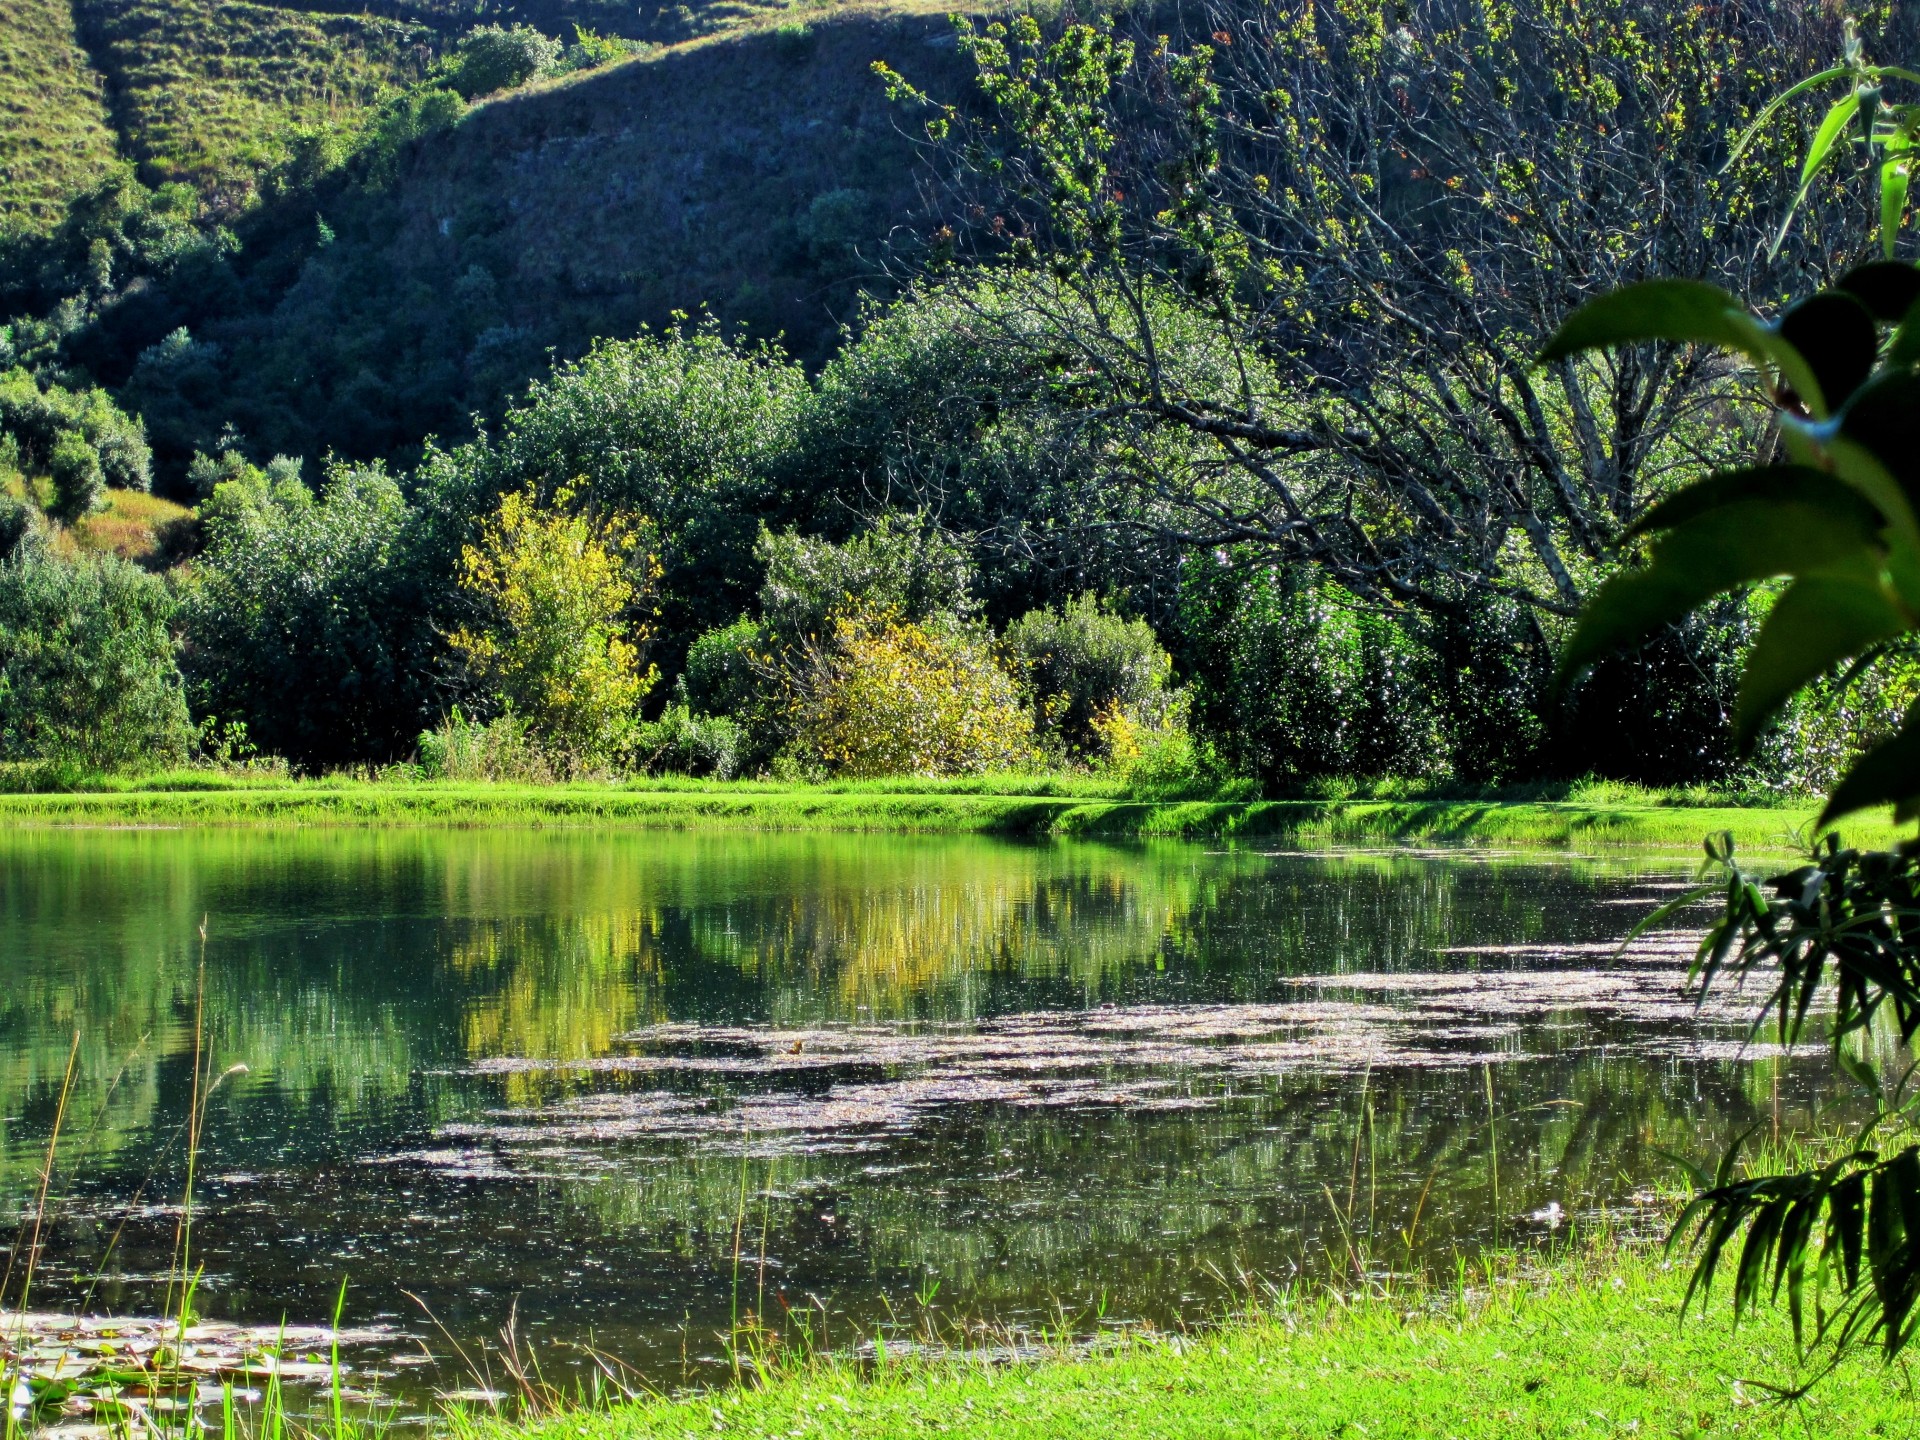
208 90
55 135
1047 805
1591 1347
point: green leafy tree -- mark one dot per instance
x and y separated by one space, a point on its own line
682 428
87 671
495 57
1382 210
311 620
562 600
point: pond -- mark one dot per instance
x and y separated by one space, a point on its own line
638 1088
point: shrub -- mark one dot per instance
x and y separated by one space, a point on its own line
680 428
494 57
1155 756
902 567
556 644
683 743
87 670
499 749
50 426
74 468
726 670
891 697
1082 662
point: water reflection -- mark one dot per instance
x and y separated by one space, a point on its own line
1053 1078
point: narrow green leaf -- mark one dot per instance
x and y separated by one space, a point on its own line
1820 621
1894 178
1772 107
1837 117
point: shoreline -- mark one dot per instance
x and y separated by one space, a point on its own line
1588 1344
1054 811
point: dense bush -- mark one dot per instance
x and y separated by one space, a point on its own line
87 671
903 567
726 669
79 437
682 742
1294 680
1083 662
307 621
494 57
680 428
884 696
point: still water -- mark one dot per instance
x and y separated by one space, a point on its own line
639 1086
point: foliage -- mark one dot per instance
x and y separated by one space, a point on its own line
305 619
889 696
1382 210
80 437
87 672
679 427
725 668
1154 754
494 57
902 567
1089 669
561 599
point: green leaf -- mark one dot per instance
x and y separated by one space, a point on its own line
1785 483
1683 312
1894 179
1831 128
1812 82
1819 622
1886 775
1733 544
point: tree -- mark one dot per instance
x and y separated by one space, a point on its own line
87 671
560 596
310 620
682 428
1379 211
1083 662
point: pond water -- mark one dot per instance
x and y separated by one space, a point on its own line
640 1087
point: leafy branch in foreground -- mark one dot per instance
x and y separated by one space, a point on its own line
1832 514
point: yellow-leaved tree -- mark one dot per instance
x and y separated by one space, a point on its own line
565 598
889 697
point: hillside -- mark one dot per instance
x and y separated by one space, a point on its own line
55 134
207 91
756 174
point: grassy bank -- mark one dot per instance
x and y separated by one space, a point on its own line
1027 806
1595 1347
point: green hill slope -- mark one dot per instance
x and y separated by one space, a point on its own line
755 172
207 91
55 134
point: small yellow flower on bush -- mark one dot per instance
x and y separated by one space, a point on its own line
892 698
559 648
